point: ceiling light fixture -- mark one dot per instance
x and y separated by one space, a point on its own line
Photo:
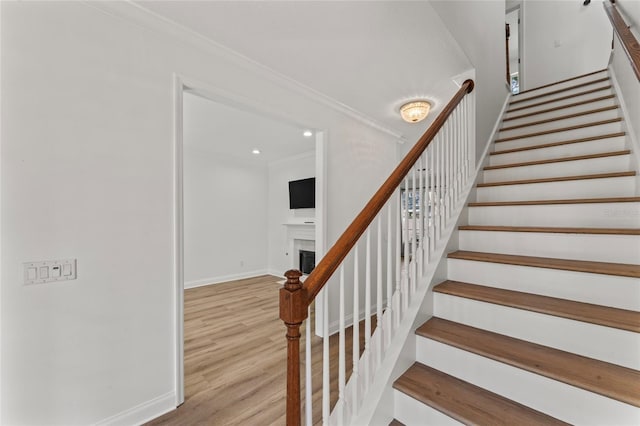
255 151
415 111
307 133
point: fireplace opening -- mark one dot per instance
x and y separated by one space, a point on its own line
307 261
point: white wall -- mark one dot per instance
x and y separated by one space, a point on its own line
87 172
629 92
563 39
225 221
478 26
280 173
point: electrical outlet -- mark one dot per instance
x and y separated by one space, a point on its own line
49 270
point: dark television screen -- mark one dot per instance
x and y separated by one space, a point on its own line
302 193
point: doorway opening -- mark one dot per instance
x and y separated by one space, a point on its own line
513 47
232 163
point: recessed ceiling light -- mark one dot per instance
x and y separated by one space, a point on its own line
255 151
307 133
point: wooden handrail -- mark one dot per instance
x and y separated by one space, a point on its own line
627 39
330 262
295 297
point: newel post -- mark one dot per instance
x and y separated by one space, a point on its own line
293 310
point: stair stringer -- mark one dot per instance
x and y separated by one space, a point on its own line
378 404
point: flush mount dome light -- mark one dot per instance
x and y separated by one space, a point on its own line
307 133
415 111
255 151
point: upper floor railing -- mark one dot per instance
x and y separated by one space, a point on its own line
380 259
628 41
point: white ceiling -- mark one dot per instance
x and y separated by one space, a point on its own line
231 133
369 55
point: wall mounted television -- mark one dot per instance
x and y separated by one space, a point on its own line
302 193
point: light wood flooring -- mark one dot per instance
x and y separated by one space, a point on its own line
235 357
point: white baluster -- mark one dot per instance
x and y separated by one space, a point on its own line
421 171
308 385
379 300
367 312
326 390
390 309
405 266
341 352
398 269
355 374
414 222
432 205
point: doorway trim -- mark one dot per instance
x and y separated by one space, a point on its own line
521 76
224 96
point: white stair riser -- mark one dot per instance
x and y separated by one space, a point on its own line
515 109
564 168
564 111
565 402
589 188
602 215
607 344
566 122
582 132
560 151
532 99
603 248
564 85
412 412
607 290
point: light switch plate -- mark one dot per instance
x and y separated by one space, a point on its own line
49 270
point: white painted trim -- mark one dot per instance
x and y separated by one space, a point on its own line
225 278
178 238
1 209
137 14
142 413
383 376
321 212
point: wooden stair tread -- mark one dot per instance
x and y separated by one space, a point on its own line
551 202
560 160
395 422
564 89
558 179
562 98
605 268
544 111
560 82
567 142
586 312
560 117
552 230
610 380
560 129
465 402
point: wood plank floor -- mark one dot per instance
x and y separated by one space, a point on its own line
235 357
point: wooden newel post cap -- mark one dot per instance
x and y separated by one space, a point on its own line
293 299
293 280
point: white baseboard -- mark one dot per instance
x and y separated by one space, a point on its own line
225 278
142 413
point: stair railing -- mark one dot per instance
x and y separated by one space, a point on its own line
383 253
628 41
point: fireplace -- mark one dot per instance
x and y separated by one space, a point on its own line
307 261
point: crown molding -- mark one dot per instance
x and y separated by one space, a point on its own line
137 14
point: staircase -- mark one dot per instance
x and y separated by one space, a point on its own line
538 320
